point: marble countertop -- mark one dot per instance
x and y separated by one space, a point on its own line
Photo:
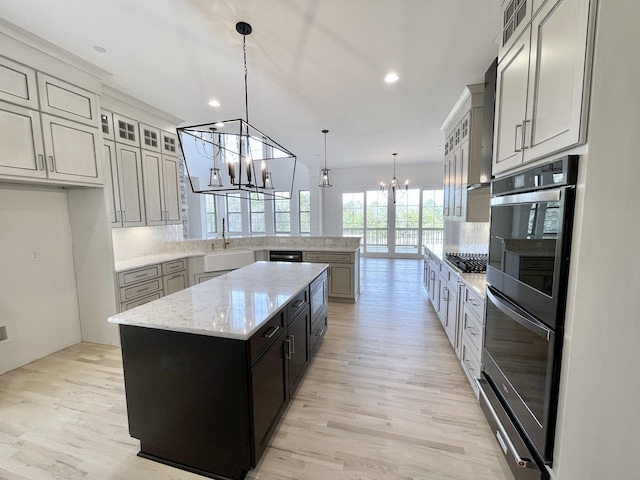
249 297
146 260
476 281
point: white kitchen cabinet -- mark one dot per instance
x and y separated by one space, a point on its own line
169 143
21 146
65 100
57 149
343 273
18 84
129 164
150 138
72 151
542 86
106 125
463 156
125 130
161 176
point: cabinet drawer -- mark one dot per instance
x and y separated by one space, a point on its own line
328 257
18 84
297 304
174 266
472 330
140 301
268 333
474 303
68 101
318 330
470 364
129 293
134 276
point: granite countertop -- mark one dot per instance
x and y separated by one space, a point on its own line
476 281
253 294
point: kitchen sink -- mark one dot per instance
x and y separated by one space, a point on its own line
228 259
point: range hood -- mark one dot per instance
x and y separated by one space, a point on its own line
488 115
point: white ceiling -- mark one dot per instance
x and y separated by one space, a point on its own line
312 64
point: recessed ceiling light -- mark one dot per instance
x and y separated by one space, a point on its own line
391 77
219 124
214 103
100 49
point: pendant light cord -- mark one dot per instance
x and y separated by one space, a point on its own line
246 95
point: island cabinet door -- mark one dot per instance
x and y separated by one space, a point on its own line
297 349
188 399
269 394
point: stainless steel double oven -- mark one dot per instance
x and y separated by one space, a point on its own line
527 273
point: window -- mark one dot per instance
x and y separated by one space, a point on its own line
256 212
304 211
234 213
353 214
376 221
210 214
282 212
432 220
408 222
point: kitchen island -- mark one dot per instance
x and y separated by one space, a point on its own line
210 369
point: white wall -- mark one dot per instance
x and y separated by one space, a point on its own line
598 430
38 302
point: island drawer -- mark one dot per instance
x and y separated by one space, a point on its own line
297 304
174 266
263 338
318 329
134 291
134 276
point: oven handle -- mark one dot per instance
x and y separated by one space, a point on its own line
530 323
553 195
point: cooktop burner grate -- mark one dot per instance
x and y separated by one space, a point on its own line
468 262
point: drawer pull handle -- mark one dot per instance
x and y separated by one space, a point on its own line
472 331
140 290
41 161
298 304
272 332
320 332
142 275
470 366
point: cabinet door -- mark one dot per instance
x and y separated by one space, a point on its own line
462 173
515 15
72 150
149 138
511 104
555 107
112 183
130 176
126 130
298 348
446 211
173 214
174 283
106 125
18 84
341 280
169 143
67 101
269 394
152 174
21 149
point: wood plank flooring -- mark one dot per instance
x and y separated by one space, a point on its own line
385 398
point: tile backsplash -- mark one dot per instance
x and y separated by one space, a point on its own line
467 237
138 241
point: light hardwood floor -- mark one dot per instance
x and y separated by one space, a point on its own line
385 398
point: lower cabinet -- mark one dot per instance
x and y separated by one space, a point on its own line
142 285
343 274
209 405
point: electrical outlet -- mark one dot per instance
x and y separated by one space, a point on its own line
35 256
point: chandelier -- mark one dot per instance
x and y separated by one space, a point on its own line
324 172
393 191
235 155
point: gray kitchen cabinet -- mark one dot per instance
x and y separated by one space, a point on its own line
18 84
343 273
161 178
542 85
129 187
463 152
171 189
64 100
21 146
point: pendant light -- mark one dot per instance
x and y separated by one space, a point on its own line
250 154
324 172
394 192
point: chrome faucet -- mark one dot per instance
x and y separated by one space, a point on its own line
224 240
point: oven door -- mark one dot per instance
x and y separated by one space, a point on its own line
529 250
521 361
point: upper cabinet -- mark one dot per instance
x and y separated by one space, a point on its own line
543 82
463 152
48 129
